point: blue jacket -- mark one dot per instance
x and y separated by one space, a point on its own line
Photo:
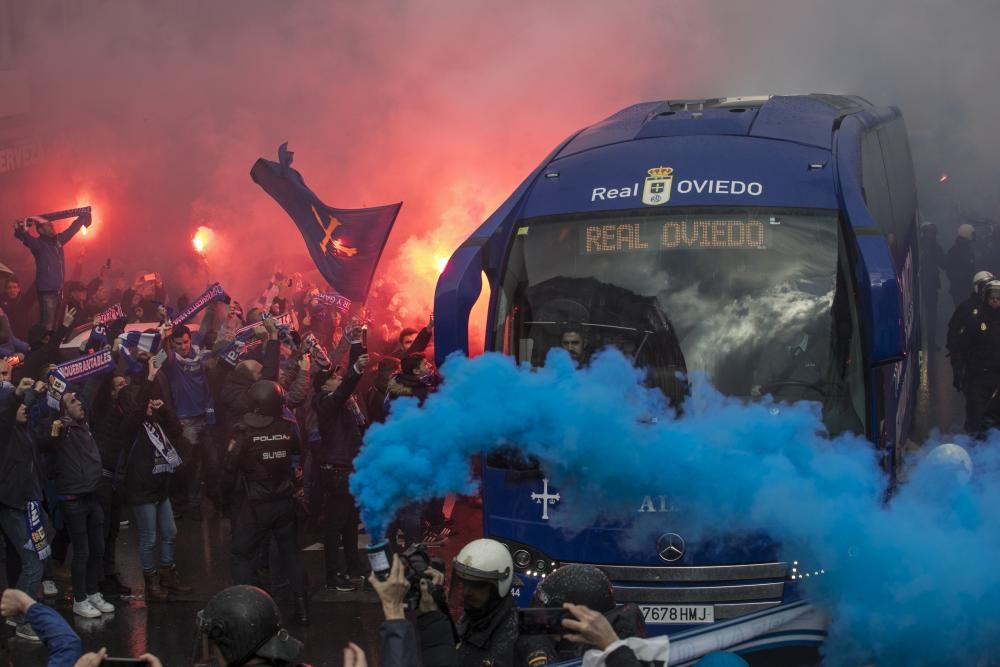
60 641
50 266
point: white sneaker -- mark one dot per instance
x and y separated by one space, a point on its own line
85 609
25 631
98 601
49 589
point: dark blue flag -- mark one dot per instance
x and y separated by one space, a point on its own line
345 243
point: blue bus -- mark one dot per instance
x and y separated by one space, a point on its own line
768 242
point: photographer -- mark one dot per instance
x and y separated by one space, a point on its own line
592 615
397 640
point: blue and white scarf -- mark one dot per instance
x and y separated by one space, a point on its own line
75 370
338 301
38 541
168 459
213 293
244 341
112 314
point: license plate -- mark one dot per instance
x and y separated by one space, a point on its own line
678 613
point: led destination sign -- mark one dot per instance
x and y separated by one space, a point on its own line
687 234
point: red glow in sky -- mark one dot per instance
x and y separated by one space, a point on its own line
373 101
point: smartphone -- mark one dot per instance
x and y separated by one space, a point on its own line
129 662
160 357
364 339
149 277
542 620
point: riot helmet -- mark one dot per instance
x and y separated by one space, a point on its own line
991 290
267 400
980 279
242 622
485 560
579 584
967 232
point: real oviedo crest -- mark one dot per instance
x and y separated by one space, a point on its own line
656 190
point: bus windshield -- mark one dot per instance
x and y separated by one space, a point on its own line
759 300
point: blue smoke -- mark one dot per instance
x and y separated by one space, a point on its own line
912 581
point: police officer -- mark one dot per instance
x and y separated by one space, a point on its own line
241 625
981 343
488 629
960 319
258 472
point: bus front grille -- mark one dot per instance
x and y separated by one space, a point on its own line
733 590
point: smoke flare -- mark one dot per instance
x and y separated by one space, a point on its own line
908 582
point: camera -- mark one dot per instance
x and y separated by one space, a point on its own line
541 620
416 560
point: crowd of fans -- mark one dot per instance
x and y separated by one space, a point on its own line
145 440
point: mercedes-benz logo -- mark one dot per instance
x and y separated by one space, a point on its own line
670 547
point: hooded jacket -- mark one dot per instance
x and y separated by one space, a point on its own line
237 383
339 432
142 485
21 475
76 460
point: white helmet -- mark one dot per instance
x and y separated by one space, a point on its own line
992 286
966 231
950 456
980 279
485 560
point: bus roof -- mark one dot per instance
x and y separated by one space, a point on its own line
804 119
